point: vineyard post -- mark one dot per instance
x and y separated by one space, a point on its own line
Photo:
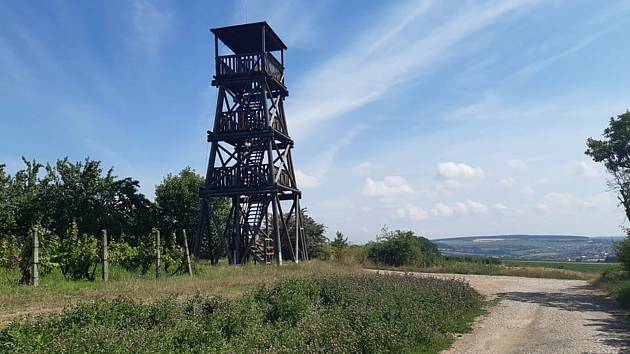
105 255
187 253
34 273
157 247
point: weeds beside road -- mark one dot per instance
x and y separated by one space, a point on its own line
329 312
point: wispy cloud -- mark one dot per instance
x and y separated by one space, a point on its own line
151 25
365 72
536 66
295 20
321 164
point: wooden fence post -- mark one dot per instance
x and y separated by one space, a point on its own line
34 273
105 255
157 247
187 253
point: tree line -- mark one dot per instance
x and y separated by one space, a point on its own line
71 202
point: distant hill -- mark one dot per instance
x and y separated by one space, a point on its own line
534 247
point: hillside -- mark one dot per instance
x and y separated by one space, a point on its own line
535 247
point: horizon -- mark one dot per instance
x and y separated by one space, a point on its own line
437 117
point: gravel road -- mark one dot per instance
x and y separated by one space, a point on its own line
543 316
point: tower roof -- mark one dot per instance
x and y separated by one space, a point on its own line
247 38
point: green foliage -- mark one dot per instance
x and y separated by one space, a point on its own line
78 255
71 192
617 283
334 314
622 248
124 255
147 255
397 248
10 250
177 202
614 152
339 243
173 257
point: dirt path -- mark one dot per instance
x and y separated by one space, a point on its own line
543 316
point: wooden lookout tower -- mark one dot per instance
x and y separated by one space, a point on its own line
250 155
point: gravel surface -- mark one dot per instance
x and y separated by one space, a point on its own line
543 316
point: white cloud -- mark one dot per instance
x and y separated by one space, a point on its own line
473 208
413 213
151 25
320 164
306 181
407 51
560 203
507 182
587 168
453 170
467 207
390 186
528 191
500 207
441 209
366 167
533 68
517 164
293 20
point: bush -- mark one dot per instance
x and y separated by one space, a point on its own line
10 249
366 313
622 248
124 255
78 256
398 248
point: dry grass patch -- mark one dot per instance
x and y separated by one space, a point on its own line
56 293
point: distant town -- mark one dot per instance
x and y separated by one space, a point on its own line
532 247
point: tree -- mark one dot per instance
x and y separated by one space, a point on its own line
177 202
339 244
316 242
71 192
614 152
397 248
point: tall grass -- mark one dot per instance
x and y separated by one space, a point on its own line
55 292
617 283
362 313
468 267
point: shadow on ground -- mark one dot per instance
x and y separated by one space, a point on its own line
584 299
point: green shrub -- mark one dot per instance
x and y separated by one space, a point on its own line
124 255
78 256
366 313
398 248
10 249
622 249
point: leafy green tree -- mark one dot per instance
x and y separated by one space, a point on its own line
69 192
614 152
80 192
177 202
397 248
339 245
316 243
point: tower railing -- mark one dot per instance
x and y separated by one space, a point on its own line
241 121
248 63
241 176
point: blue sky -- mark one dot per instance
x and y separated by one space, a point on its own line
446 117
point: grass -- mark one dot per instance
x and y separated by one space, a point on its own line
332 312
583 267
55 292
466 267
617 284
